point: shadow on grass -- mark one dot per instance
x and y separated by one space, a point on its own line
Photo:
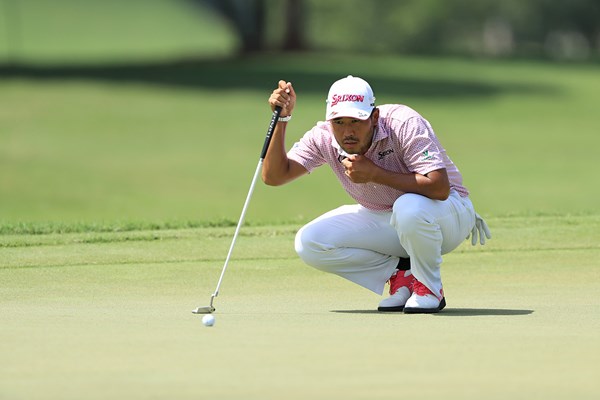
475 312
261 74
452 312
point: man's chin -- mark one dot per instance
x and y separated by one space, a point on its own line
350 149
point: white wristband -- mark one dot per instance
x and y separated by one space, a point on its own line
285 119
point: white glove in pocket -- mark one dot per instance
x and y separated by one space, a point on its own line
480 229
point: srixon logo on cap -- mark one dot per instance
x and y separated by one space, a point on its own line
337 98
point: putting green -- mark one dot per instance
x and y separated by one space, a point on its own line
108 315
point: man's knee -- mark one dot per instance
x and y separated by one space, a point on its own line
307 246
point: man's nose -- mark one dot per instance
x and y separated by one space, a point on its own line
348 130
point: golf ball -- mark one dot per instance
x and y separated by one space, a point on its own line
208 320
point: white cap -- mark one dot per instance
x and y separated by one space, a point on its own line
350 97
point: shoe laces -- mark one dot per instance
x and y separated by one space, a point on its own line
420 289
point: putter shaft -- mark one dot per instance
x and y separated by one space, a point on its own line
274 119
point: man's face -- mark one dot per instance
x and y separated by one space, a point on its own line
354 135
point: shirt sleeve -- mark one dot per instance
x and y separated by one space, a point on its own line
422 153
307 151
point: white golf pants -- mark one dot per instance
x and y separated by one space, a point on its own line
364 246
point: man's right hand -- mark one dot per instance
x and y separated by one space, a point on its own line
285 97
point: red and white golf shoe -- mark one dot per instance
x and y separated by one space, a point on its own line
423 301
400 290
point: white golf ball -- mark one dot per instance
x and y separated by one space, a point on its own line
208 320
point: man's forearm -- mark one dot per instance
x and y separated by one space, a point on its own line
434 185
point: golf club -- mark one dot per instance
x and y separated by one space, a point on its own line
210 308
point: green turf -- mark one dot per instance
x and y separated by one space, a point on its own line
107 315
60 31
166 142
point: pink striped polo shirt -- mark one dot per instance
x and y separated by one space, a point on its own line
403 142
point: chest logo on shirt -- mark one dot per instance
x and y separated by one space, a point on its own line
384 153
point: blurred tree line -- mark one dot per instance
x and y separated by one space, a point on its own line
560 29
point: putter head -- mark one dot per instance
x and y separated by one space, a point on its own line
204 310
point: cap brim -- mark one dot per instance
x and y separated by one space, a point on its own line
349 113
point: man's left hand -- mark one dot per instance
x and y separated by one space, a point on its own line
359 168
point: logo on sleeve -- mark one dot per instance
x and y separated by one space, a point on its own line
425 156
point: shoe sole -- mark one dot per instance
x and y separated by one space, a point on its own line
391 309
415 310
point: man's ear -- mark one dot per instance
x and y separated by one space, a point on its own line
375 115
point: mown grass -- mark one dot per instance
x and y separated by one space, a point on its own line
107 314
164 142
88 31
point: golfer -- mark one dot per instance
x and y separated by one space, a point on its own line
411 204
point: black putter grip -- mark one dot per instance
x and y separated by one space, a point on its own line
274 119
